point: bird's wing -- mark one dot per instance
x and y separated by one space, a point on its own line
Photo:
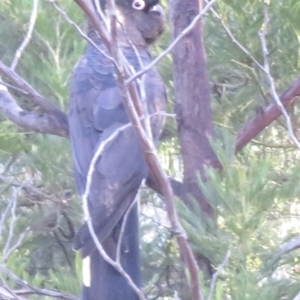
95 112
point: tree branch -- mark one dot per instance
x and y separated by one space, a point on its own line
177 186
290 246
44 103
36 290
85 36
53 122
217 274
262 34
98 23
28 35
183 33
272 111
269 114
234 40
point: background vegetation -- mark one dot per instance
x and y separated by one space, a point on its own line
255 198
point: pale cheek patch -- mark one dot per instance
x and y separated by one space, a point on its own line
86 271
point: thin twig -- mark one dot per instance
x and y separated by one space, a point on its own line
269 114
31 189
28 35
36 290
10 162
233 39
216 275
4 214
80 31
262 35
99 24
8 248
101 14
124 222
12 87
54 122
17 244
63 248
12 221
173 44
142 89
6 291
25 86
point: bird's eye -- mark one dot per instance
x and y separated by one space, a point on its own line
139 4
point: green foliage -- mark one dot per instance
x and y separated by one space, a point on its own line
255 197
45 258
249 206
239 86
12 141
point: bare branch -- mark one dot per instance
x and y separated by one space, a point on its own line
262 35
4 214
35 96
290 246
125 219
16 245
176 186
102 16
8 293
12 87
142 88
34 289
71 22
233 39
98 23
8 248
269 114
31 189
186 31
12 221
217 274
28 35
49 123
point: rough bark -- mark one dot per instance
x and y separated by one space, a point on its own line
53 122
193 102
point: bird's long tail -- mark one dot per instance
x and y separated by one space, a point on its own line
100 280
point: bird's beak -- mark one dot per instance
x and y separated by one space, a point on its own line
159 9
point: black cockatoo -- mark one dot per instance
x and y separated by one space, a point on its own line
95 112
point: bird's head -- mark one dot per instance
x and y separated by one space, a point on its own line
141 21
142 5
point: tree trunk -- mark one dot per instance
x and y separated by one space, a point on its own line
193 102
